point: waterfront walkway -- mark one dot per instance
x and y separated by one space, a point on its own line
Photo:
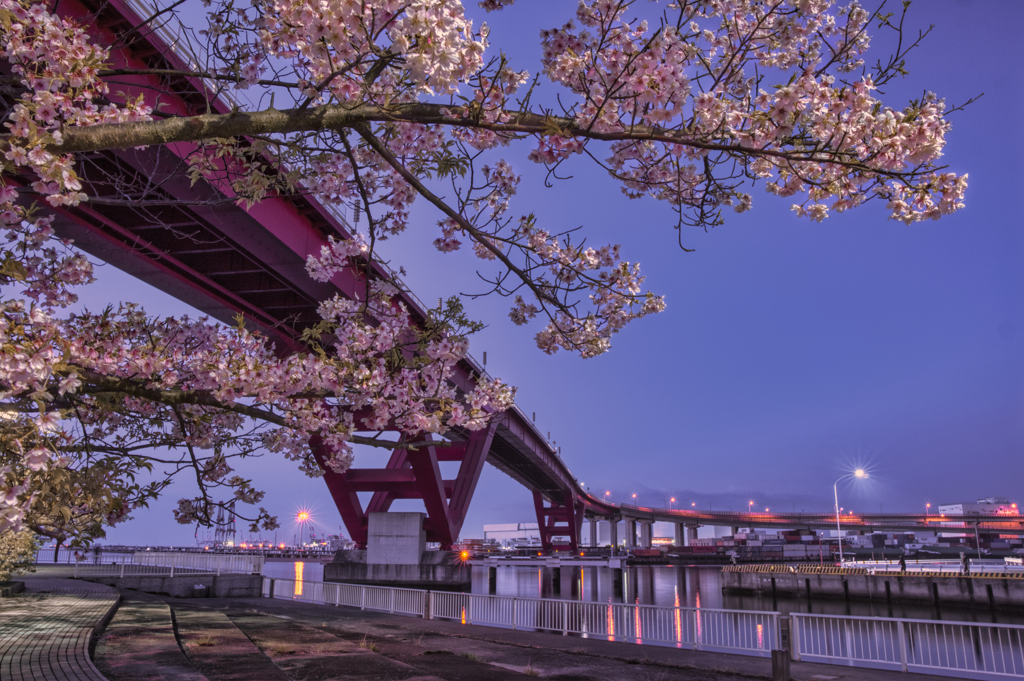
46 630
45 635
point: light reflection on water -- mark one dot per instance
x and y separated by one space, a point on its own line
699 587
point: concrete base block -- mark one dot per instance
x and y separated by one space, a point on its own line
395 538
437 570
995 592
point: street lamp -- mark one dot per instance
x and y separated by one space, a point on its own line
634 498
670 502
859 473
926 507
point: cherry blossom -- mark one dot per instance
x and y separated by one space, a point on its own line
370 106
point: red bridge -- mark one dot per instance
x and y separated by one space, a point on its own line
227 261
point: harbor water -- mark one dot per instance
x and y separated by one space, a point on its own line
693 587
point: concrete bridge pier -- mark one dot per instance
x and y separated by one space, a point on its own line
613 533
646 533
593 532
630 533
396 555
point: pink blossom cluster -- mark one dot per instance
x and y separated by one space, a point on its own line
335 43
203 370
58 65
696 85
614 287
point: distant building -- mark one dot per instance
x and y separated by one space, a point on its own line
986 506
513 534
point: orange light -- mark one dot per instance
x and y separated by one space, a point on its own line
539 553
766 510
464 555
206 548
303 516
673 500
281 546
581 553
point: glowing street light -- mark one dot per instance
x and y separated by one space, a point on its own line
634 498
750 506
670 502
302 518
860 473
926 507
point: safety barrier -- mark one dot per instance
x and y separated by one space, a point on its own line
217 562
989 572
130 569
380 598
802 569
922 646
181 561
737 631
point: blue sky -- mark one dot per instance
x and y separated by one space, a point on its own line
789 353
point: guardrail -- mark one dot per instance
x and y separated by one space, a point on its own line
245 564
736 631
944 570
923 646
380 598
122 569
178 560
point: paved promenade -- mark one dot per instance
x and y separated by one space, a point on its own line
45 636
45 631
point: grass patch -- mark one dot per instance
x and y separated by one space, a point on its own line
204 641
471 656
530 671
366 644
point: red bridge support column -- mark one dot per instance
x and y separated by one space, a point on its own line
413 474
559 519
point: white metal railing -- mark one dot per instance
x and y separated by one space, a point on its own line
87 562
952 567
966 649
215 562
131 569
379 598
739 631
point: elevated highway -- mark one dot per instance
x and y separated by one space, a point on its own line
189 240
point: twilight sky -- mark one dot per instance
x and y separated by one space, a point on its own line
790 352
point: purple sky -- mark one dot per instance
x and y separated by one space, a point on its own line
790 352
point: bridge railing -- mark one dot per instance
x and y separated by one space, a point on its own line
966 649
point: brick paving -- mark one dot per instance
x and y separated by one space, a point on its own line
46 630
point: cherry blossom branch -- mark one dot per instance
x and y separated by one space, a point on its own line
341 117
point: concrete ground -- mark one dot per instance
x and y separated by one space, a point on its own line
159 638
280 640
